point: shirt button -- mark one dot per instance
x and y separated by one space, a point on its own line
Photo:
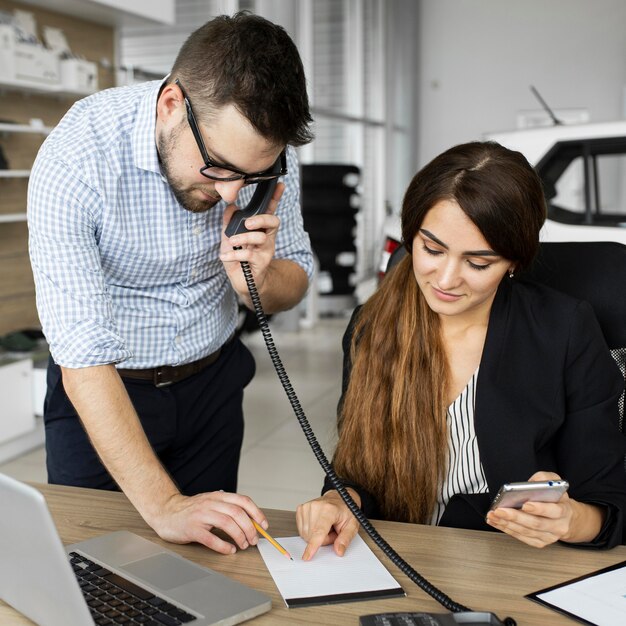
194 272
197 230
178 339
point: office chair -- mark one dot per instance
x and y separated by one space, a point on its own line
594 271
396 256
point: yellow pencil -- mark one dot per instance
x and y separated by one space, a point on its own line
272 540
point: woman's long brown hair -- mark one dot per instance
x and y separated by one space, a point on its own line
392 421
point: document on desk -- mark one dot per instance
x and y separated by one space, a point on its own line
327 578
598 598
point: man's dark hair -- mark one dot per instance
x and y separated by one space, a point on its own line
252 63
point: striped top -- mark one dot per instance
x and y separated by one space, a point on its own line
122 272
465 471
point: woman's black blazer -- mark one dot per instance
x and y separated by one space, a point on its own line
546 399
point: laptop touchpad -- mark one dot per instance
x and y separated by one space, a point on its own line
165 571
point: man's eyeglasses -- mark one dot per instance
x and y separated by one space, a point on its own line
226 173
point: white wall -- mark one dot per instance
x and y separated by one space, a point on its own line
477 59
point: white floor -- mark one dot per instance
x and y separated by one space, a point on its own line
277 469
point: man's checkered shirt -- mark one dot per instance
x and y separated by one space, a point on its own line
122 271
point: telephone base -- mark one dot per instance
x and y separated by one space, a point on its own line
470 618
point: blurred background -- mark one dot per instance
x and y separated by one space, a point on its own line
391 82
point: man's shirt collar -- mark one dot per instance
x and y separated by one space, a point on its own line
145 155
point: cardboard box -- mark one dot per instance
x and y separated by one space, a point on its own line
79 75
37 64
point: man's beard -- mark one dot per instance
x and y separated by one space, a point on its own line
166 148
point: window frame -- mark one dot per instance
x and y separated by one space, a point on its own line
556 161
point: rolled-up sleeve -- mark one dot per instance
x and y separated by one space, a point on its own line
74 306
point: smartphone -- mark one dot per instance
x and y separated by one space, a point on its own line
513 495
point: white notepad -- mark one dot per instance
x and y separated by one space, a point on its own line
327 578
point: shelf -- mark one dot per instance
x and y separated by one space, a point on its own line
114 12
29 86
24 128
8 218
14 173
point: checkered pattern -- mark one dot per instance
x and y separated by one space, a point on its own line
122 271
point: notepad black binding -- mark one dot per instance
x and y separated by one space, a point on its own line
357 596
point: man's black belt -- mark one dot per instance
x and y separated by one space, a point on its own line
168 374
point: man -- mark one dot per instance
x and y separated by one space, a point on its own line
137 283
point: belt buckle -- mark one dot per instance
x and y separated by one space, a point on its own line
158 378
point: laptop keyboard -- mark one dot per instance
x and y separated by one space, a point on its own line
115 600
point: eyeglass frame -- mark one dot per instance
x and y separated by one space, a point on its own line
248 179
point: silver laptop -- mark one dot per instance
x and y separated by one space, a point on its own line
55 585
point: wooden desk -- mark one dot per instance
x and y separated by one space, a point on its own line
482 570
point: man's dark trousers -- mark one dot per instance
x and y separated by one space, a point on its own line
195 427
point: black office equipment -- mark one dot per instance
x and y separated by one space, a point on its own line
330 205
258 204
471 618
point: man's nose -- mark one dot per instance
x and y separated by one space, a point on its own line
229 190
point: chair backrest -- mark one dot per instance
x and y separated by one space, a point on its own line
396 257
594 271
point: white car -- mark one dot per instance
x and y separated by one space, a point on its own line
583 169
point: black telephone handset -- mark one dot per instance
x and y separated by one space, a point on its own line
260 199
258 204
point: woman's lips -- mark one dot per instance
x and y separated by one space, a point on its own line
445 296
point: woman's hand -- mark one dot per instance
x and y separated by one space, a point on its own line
541 523
327 520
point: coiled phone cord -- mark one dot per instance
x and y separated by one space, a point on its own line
393 556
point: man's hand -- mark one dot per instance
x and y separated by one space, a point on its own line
111 422
193 518
257 247
327 520
541 523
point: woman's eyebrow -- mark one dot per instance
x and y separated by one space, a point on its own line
468 253
435 239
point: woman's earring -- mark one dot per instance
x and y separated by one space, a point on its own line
512 273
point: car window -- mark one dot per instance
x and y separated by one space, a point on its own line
570 187
584 181
611 183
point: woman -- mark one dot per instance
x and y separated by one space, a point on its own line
459 376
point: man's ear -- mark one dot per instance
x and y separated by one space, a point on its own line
170 105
